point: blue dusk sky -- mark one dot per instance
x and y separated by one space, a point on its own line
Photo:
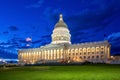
29 23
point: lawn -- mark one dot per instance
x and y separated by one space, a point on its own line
76 72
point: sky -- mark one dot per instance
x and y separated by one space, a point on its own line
29 23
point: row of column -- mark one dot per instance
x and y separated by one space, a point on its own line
56 54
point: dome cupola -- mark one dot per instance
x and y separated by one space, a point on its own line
61 32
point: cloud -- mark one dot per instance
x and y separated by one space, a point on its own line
17 42
92 15
36 5
113 37
7 54
37 42
45 39
5 32
114 40
90 20
7 50
14 43
93 18
13 28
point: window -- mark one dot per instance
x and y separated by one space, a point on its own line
101 48
69 57
88 57
84 57
101 52
61 37
88 52
97 57
97 49
101 56
84 53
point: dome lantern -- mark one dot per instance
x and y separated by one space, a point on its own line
60 23
61 18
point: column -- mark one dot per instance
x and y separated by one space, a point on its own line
51 52
45 54
40 55
108 52
59 53
61 56
105 53
54 54
48 54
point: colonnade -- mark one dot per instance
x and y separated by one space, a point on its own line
97 53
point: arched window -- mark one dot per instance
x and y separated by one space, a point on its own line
101 56
88 57
84 53
97 57
80 53
102 48
68 57
92 49
84 57
88 52
80 49
101 52
84 49
88 49
80 57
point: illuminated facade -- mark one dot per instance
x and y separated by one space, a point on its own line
61 49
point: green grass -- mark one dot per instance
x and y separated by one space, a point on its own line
81 72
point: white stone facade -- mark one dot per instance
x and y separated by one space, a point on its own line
61 50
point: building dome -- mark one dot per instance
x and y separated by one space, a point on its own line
61 23
61 32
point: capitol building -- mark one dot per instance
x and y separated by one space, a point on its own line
61 50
